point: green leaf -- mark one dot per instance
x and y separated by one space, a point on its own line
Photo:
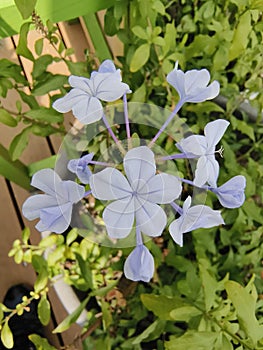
48 115
245 305
241 36
243 126
43 310
39 43
22 48
19 143
70 319
25 235
49 162
13 171
6 118
1 313
101 292
41 281
85 270
40 65
26 7
140 57
28 99
185 313
209 284
50 83
39 263
106 314
253 211
192 340
41 343
140 32
5 85
71 236
162 305
77 68
150 333
7 336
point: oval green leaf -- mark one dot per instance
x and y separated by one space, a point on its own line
140 57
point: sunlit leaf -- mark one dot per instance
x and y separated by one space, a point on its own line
26 7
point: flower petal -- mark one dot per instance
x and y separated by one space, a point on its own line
231 194
196 80
150 218
139 166
88 110
56 219
193 145
81 83
208 93
48 181
119 217
176 232
139 266
207 170
32 206
162 188
109 184
201 216
176 78
66 103
214 131
109 86
75 192
107 66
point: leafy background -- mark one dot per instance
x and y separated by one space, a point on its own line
208 294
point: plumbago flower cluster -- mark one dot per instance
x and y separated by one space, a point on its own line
139 191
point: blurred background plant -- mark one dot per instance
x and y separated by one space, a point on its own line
208 294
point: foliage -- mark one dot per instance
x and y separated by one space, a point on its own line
208 294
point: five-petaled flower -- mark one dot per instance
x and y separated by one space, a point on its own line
135 197
232 193
203 148
198 216
80 167
139 266
192 85
55 207
84 98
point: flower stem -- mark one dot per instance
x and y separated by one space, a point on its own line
105 121
177 208
139 240
126 116
189 182
178 156
172 115
95 162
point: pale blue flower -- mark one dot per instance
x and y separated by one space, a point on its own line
198 216
203 148
231 194
55 207
135 197
80 167
84 98
192 85
139 266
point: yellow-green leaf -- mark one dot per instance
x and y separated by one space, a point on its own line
241 36
140 57
7 336
6 118
43 310
245 304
